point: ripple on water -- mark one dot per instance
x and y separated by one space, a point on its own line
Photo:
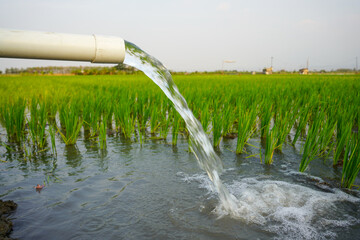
93 224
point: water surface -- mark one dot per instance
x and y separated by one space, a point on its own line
156 191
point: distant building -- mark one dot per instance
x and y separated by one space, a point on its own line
268 71
304 71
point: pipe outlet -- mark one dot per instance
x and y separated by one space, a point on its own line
61 46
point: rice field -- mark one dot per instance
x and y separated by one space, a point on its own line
317 114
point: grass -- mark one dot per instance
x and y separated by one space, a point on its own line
317 114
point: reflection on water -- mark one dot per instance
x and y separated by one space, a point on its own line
103 160
152 192
73 156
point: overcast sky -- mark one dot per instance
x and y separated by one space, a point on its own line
200 34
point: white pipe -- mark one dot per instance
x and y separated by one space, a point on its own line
61 46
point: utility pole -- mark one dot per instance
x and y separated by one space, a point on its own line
307 64
356 64
272 58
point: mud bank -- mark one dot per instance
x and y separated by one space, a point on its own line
6 208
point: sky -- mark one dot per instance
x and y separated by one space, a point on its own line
199 35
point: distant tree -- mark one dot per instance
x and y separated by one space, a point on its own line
125 68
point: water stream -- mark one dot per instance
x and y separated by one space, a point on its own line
200 144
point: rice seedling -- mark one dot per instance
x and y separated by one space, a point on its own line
71 121
228 119
266 115
217 124
13 119
351 163
125 119
165 124
175 128
303 120
312 147
205 116
343 133
87 108
154 120
270 145
37 122
322 111
52 133
102 133
95 116
284 123
246 126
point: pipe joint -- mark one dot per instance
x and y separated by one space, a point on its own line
61 46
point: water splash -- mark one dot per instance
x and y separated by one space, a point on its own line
200 144
288 210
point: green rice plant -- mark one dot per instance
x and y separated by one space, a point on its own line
246 126
175 127
270 145
87 108
312 147
95 115
143 113
13 119
51 109
72 122
343 134
284 123
351 163
217 124
227 119
37 122
154 119
266 115
102 133
303 120
125 119
282 101
165 124
205 116
52 133
27 155
108 111
326 142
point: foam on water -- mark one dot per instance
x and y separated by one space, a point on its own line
289 210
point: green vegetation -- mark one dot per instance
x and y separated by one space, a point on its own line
317 114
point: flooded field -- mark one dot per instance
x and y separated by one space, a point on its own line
157 191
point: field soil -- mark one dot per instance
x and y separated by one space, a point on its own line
6 208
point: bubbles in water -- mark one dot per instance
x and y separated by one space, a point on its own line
292 211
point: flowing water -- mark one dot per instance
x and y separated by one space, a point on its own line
200 144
